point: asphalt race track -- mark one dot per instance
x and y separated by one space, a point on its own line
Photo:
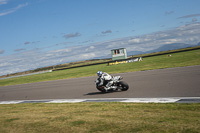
171 82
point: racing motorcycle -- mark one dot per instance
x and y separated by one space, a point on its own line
117 84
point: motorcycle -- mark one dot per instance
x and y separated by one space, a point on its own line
117 84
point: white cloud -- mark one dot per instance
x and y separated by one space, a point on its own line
190 16
106 32
60 51
1 51
3 2
72 35
92 47
169 12
88 55
136 40
12 10
5 64
170 41
194 20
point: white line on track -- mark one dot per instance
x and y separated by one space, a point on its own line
126 100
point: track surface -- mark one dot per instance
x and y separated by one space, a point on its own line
172 82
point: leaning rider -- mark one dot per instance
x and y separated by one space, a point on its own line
105 77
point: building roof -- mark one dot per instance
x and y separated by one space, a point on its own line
118 48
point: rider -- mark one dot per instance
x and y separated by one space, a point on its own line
105 77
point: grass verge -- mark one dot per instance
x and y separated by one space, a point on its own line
100 117
181 59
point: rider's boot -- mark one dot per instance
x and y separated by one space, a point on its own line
108 86
114 87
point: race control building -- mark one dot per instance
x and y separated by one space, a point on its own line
119 54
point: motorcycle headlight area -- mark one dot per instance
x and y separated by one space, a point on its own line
116 78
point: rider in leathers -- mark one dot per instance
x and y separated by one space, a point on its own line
105 77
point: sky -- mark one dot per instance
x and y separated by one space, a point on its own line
39 33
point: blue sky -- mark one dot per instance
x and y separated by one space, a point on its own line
37 33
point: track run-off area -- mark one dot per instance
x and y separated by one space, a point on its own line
180 85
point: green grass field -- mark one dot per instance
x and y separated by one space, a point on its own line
181 59
100 117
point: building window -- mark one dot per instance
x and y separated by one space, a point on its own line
118 51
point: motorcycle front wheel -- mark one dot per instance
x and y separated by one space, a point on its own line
123 86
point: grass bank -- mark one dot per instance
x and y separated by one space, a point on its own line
181 59
100 117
